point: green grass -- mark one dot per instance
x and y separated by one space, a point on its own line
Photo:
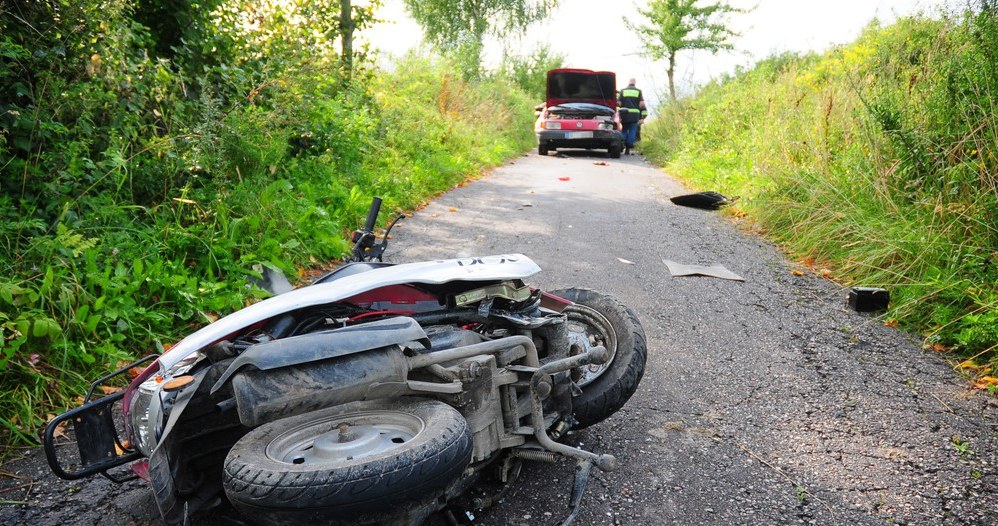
108 279
876 160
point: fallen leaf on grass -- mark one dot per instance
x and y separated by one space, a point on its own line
60 430
796 272
971 365
938 347
626 262
985 382
564 178
892 323
108 390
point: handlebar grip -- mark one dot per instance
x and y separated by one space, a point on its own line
372 214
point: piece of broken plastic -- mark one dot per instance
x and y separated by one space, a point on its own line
703 200
714 271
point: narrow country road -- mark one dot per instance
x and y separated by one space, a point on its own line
765 402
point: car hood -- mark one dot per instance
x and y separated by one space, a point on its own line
582 109
581 85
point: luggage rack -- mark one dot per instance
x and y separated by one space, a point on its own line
97 440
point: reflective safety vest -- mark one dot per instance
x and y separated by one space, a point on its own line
630 101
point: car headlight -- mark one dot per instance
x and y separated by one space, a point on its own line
552 125
606 125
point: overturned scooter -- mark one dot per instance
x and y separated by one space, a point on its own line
379 394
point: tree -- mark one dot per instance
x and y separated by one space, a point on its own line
530 72
459 27
353 18
677 25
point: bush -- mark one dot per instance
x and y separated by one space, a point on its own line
142 182
876 160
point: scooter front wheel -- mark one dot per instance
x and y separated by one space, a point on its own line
362 463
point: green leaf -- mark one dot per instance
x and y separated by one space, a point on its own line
45 327
91 325
8 291
82 313
23 326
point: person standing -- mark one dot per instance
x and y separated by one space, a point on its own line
632 111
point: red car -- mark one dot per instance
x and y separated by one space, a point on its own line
580 112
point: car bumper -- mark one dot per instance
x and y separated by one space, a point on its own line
579 139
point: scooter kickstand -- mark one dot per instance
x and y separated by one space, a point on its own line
582 470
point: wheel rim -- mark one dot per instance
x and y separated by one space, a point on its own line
338 439
588 329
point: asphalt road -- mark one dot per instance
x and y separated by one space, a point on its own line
764 402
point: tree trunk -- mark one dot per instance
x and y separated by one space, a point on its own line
671 71
346 35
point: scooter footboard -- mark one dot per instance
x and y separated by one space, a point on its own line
100 448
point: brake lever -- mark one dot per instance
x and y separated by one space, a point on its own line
378 249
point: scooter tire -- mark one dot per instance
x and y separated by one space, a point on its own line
270 478
617 380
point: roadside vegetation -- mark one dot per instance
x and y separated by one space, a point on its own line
151 153
875 163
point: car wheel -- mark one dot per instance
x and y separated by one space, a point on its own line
542 149
360 463
614 151
598 319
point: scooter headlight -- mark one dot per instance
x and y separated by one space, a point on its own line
146 411
146 415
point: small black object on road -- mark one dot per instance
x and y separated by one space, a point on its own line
868 299
703 200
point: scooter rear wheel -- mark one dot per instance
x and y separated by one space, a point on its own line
599 319
376 462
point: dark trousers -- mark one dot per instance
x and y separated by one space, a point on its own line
630 133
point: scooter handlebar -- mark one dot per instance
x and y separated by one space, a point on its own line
372 214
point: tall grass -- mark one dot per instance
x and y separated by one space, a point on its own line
276 181
877 160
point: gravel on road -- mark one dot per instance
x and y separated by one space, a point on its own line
767 401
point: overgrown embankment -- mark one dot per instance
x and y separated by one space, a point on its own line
149 159
877 161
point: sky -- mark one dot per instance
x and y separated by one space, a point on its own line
591 34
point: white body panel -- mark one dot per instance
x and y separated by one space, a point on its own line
512 266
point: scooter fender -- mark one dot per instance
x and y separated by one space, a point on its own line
490 268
